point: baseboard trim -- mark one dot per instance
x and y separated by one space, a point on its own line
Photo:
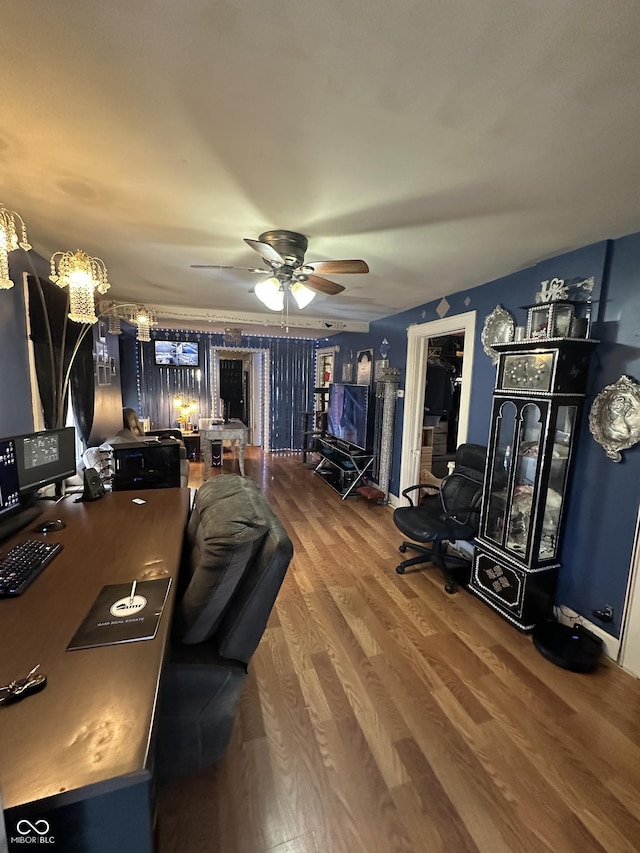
567 616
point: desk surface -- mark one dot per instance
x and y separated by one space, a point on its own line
92 722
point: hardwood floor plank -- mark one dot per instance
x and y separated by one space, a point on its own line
381 714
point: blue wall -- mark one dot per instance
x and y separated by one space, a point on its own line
603 500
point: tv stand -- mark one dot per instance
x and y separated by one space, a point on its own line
342 467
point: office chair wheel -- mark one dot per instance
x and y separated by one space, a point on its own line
402 548
451 587
400 569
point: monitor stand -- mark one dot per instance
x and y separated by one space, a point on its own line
16 522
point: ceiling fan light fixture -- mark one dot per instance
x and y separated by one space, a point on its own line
302 294
270 293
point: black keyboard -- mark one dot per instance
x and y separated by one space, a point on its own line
23 563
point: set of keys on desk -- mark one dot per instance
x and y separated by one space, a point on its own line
16 690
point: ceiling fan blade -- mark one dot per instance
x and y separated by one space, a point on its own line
267 251
315 282
221 267
338 267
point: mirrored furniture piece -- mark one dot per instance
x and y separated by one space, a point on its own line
536 409
234 430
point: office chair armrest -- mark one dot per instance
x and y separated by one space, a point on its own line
434 490
461 510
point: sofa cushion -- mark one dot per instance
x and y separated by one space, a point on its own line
226 529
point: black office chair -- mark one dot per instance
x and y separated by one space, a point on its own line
446 513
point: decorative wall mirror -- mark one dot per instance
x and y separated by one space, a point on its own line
614 419
499 328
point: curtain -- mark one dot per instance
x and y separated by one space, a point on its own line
291 381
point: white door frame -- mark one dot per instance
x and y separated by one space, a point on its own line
630 629
259 390
417 347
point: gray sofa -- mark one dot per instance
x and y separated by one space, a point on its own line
236 556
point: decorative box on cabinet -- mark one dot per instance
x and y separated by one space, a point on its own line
536 409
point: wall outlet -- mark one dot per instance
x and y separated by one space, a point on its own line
604 615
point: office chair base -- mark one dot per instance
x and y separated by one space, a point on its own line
436 556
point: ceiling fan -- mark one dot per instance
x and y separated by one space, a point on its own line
283 253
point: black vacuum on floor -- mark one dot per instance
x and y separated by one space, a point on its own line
572 647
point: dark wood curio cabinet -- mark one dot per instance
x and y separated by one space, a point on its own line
537 403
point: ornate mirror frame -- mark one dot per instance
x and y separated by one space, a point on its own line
614 419
499 328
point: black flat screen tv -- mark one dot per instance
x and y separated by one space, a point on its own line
347 415
176 353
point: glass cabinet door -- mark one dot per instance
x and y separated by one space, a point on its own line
562 430
528 476
497 499
526 456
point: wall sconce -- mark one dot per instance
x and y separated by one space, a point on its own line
10 224
83 275
232 337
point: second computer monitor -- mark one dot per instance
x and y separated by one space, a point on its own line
45 457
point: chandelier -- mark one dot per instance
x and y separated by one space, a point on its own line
272 292
143 319
137 315
83 275
11 224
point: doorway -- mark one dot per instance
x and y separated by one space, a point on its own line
234 383
419 344
243 376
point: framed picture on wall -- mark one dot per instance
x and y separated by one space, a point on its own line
365 367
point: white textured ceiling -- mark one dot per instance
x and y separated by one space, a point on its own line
446 142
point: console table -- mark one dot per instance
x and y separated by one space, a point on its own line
234 430
76 760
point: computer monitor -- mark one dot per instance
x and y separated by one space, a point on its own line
9 488
146 465
45 457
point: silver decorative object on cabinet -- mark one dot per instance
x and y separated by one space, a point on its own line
614 419
499 328
386 395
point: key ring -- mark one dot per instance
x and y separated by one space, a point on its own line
18 689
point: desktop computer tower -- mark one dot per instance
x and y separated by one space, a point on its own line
146 465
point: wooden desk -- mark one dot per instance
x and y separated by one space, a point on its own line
234 430
77 754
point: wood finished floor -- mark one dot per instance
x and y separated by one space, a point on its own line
383 715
